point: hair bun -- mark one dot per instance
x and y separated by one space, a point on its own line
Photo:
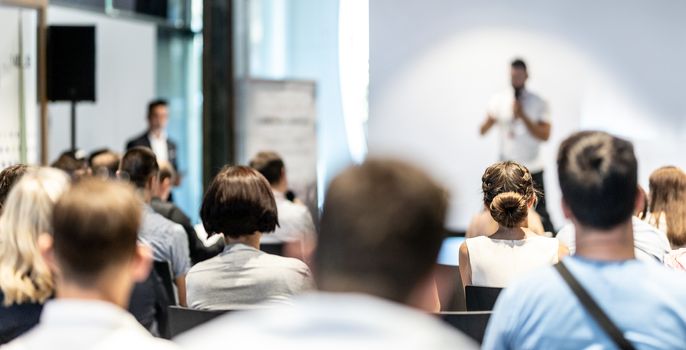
509 209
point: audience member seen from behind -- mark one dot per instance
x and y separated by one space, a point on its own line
598 178
93 285
667 211
25 279
381 230
513 250
198 251
74 163
296 227
167 239
104 163
239 204
650 243
8 178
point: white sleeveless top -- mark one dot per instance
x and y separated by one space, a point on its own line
497 262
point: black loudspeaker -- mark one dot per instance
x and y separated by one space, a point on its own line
71 63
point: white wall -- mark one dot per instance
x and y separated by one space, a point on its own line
613 65
125 82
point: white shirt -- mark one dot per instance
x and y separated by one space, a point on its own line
295 222
87 324
650 244
498 262
159 146
328 321
516 141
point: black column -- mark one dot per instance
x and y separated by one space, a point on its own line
219 112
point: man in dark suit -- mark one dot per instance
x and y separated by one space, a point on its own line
155 137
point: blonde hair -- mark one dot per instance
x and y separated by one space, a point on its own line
668 197
24 276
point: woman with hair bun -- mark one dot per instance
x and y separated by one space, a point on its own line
513 250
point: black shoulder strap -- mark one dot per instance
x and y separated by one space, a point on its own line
596 312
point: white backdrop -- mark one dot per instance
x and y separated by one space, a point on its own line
613 65
125 82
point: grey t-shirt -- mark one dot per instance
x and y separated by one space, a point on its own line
243 276
167 240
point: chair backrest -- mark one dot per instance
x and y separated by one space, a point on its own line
481 298
164 271
182 319
471 323
272 248
149 303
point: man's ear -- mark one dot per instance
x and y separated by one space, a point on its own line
141 263
566 210
166 184
45 247
153 184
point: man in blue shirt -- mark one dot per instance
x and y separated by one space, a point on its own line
646 301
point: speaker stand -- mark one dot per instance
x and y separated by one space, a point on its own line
73 125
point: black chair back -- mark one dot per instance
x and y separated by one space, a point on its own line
272 248
182 319
470 323
164 271
149 303
481 298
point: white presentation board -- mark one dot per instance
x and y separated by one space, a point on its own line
280 116
9 87
18 103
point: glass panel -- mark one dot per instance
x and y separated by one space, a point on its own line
179 66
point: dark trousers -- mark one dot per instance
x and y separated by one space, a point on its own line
541 207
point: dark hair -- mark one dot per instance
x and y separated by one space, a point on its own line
154 104
598 178
269 164
381 230
8 178
239 202
104 160
518 63
72 162
508 187
90 236
138 165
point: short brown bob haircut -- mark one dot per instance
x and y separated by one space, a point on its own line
90 236
239 202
